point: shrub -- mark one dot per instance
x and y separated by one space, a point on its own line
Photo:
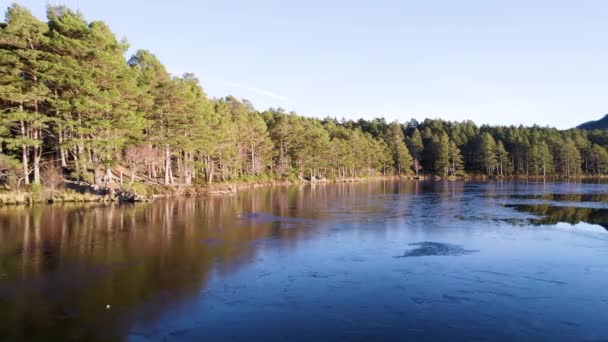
52 176
10 171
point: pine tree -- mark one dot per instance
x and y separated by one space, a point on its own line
112 120
569 158
159 95
68 95
598 159
541 159
487 153
396 142
71 83
194 136
456 162
502 159
442 155
225 155
312 145
416 147
22 93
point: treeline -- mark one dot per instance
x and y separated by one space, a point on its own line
73 106
452 148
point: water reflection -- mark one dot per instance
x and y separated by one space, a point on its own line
566 197
551 214
95 272
62 265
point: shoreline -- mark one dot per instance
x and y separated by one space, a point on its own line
49 196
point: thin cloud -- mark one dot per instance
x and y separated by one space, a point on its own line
264 92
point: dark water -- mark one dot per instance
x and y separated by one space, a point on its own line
373 261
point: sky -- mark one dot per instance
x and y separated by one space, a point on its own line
509 62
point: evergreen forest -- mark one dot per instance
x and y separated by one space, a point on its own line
74 107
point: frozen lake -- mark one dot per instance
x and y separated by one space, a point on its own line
369 261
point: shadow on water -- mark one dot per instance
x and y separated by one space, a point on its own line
435 249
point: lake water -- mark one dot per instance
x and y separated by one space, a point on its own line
369 261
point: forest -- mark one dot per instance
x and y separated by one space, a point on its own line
74 107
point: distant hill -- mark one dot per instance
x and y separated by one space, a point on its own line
598 124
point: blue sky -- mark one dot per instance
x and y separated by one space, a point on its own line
497 62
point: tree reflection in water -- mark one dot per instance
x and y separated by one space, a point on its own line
93 272
62 265
551 214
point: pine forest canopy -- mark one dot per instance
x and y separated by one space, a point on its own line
71 103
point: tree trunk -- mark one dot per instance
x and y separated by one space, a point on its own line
209 169
24 159
62 149
37 155
24 162
108 178
253 162
167 165
544 170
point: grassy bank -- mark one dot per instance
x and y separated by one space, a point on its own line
32 197
141 192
